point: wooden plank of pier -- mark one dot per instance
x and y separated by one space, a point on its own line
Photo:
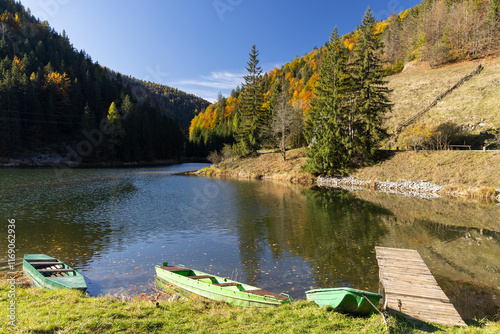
408 286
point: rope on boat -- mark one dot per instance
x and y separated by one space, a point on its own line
383 316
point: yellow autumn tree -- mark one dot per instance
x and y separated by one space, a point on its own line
418 136
60 84
114 122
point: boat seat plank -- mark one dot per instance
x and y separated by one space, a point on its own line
54 270
266 293
174 268
200 277
227 284
51 267
55 263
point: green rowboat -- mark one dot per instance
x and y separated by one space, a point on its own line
50 273
345 299
217 288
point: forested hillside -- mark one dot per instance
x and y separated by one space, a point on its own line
435 31
177 104
51 95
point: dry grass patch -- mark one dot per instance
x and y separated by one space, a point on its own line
265 165
464 168
474 105
458 171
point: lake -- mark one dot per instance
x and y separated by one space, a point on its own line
115 225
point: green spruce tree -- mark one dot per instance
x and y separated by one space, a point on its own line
370 102
251 114
329 150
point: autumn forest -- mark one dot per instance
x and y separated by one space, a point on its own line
437 32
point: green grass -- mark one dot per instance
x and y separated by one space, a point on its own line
65 311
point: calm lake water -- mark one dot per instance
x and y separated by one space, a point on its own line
115 225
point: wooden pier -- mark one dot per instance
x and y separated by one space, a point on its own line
409 287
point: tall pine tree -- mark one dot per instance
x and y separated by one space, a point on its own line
251 115
346 117
371 101
329 150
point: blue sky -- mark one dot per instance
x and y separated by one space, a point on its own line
201 46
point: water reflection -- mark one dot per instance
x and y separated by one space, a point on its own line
344 227
115 225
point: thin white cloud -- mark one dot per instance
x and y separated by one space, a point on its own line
210 96
277 65
233 79
209 86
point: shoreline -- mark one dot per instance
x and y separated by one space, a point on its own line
75 312
382 177
23 164
164 311
421 189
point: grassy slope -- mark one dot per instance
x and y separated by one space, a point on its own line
474 106
476 101
76 313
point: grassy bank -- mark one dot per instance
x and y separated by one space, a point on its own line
67 311
462 173
264 166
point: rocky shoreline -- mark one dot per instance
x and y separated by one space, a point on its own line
421 189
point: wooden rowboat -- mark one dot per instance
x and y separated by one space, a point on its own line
50 273
345 299
217 288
